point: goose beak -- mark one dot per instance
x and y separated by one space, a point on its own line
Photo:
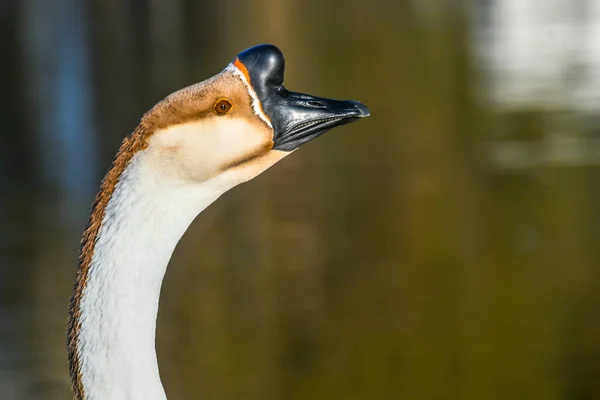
296 118
300 118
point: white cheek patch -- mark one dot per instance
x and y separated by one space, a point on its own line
256 105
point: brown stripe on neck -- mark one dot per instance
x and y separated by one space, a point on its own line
138 140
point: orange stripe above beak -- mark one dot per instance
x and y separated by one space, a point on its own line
242 67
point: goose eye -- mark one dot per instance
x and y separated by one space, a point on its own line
223 107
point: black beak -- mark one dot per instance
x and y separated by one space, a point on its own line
296 118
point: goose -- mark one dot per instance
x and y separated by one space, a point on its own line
189 149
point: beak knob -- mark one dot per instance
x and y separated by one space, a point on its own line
265 65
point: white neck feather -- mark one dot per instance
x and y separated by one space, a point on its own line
144 220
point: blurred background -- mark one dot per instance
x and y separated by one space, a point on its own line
448 247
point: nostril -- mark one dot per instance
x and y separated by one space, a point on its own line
314 103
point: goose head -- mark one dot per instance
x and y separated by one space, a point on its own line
238 123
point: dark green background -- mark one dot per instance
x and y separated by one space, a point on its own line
390 259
